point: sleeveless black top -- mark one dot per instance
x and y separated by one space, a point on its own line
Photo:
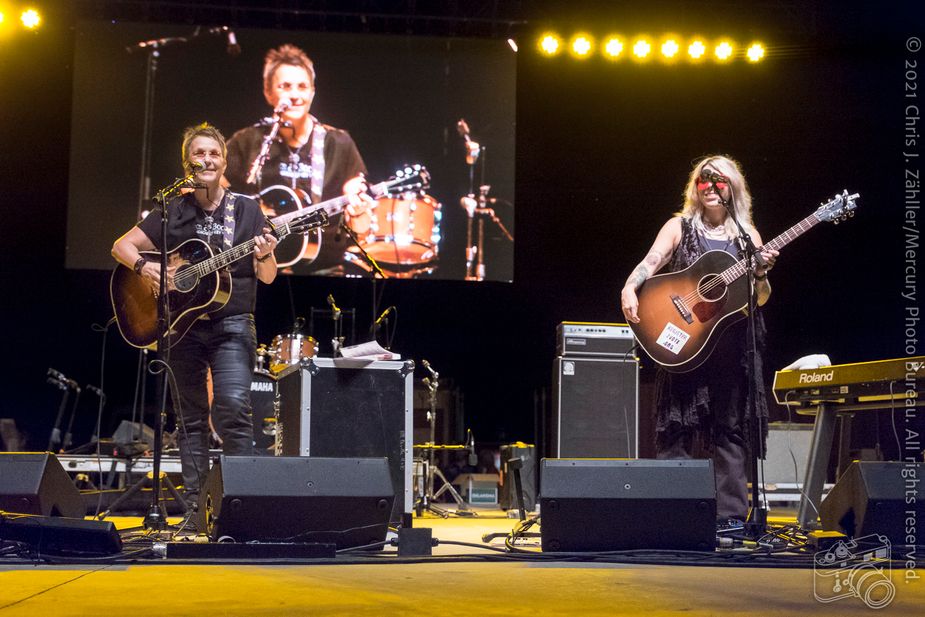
712 397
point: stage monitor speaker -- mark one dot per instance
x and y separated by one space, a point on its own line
508 497
609 505
340 501
61 536
36 483
351 408
595 407
870 498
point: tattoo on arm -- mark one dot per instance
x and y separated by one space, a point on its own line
646 268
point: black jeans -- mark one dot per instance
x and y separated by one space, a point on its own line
227 346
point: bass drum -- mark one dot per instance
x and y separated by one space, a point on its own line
401 233
277 200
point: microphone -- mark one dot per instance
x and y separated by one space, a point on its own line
197 166
96 391
472 148
282 106
233 48
473 457
431 369
382 317
334 308
713 177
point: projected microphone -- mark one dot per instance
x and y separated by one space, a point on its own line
233 48
472 148
197 166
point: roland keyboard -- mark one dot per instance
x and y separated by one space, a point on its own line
883 379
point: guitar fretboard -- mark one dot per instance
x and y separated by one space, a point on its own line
226 258
733 272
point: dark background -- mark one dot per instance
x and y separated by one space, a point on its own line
603 151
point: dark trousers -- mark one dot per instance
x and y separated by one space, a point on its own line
227 347
728 467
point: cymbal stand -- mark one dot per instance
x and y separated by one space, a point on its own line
427 497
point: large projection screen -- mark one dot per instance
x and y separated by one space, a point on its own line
399 98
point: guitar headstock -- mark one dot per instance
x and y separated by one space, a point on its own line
410 178
839 208
303 224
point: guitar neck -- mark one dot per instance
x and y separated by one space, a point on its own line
735 271
226 258
333 206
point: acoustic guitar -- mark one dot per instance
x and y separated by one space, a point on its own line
682 314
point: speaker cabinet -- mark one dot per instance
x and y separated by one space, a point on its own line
351 408
61 536
508 496
595 407
607 505
36 483
340 501
870 498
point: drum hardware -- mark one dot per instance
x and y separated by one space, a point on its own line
427 496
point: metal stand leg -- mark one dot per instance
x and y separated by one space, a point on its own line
821 447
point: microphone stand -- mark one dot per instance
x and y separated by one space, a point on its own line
156 517
55 379
757 523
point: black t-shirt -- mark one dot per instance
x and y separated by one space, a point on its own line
292 168
186 220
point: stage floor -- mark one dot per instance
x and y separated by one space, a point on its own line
458 580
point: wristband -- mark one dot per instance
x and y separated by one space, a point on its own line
139 264
265 257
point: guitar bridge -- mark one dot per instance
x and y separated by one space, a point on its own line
682 309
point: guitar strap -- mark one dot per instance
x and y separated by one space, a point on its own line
228 222
317 159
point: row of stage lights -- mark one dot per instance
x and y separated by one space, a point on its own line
643 48
29 18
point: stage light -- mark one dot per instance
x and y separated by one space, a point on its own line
641 49
696 49
513 44
581 46
755 53
549 44
724 51
613 48
30 19
670 49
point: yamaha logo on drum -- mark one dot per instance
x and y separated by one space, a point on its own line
261 386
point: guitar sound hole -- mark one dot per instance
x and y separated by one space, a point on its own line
711 288
184 280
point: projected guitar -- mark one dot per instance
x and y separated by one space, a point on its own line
683 314
279 199
201 284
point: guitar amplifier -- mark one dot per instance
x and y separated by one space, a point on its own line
575 338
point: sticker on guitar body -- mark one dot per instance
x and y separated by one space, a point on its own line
673 338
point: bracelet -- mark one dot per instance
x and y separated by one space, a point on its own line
139 264
763 277
265 257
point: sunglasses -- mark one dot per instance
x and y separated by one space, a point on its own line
704 183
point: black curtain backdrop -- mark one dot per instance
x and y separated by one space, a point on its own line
603 152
